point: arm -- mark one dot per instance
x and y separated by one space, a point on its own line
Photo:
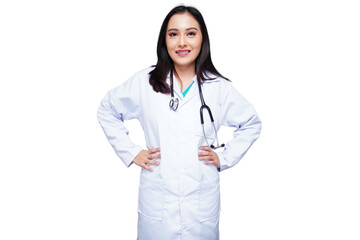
237 112
121 103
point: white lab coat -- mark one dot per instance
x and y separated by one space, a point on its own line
180 199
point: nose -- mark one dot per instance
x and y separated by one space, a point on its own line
182 41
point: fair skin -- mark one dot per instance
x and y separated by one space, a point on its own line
183 42
183 33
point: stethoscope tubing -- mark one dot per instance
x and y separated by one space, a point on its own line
174 103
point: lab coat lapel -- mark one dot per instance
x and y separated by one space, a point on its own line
193 91
177 90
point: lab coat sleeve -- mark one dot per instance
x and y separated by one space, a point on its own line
237 112
121 103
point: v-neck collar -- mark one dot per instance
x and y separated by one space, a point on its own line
193 91
187 89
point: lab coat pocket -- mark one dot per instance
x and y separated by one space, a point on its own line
209 205
151 197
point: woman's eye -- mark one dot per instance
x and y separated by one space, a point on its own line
172 34
191 34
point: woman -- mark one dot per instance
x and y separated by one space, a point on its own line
179 196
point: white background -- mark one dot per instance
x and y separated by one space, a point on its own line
296 61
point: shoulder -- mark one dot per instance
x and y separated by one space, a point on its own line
225 88
217 81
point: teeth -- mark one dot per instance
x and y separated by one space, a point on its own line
183 51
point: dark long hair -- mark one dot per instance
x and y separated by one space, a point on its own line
165 64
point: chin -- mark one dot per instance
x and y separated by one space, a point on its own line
184 63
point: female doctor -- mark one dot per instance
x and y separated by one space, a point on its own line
180 102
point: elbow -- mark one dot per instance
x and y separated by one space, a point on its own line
255 130
253 122
253 127
100 113
258 127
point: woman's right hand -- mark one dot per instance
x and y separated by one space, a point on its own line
145 156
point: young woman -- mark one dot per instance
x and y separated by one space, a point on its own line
180 102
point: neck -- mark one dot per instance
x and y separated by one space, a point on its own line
186 73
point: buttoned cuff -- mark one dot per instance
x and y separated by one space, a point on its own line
130 155
222 162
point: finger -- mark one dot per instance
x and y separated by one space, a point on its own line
206 158
208 162
151 156
204 153
153 162
154 150
206 148
146 167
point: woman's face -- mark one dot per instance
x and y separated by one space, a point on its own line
183 39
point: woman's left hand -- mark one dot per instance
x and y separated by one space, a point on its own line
209 156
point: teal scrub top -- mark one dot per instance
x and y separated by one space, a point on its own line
186 91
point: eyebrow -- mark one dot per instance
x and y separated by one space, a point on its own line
175 29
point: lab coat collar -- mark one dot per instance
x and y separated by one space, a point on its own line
210 75
193 91
207 75
177 90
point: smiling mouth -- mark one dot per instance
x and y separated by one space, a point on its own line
183 52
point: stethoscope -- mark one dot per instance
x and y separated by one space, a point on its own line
174 103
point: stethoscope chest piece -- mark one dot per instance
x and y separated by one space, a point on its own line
174 103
